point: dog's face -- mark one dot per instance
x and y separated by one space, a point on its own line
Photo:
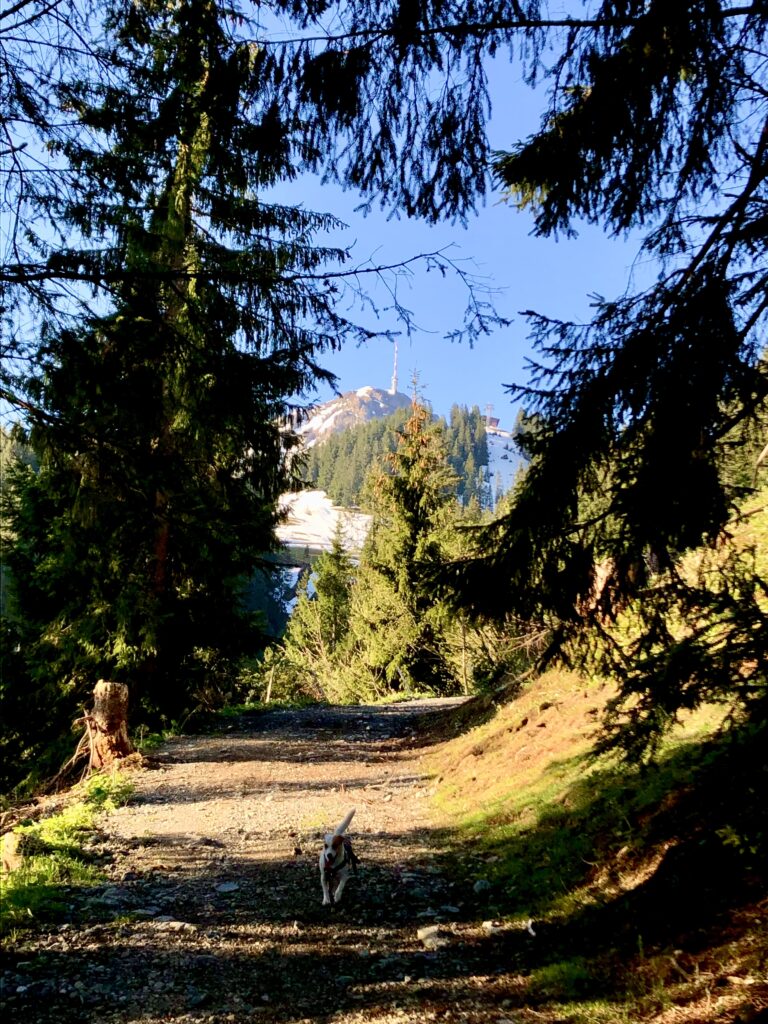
331 849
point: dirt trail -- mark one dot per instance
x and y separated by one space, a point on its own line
212 911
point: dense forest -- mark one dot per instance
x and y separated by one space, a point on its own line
162 315
340 464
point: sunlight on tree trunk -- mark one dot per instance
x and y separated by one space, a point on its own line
107 725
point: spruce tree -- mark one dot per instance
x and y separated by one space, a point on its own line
334 571
157 417
414 492
314 646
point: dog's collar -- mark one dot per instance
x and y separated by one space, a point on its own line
337 867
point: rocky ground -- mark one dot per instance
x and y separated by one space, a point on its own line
212 909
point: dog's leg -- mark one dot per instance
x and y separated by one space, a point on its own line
340 887
326 890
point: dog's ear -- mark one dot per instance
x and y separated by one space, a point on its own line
337 841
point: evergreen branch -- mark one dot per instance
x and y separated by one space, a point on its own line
21 4
459 31
17 402
753 319
438 254
731 216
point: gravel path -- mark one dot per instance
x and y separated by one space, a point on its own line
212 911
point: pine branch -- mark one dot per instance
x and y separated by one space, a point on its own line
465 30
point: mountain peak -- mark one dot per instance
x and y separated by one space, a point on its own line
350 410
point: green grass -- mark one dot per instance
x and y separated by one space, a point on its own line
621 868
54 856
565 981
105 792
250 707
544 845
145 742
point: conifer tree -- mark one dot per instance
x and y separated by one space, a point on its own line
157 417
315 641
414 493
334 572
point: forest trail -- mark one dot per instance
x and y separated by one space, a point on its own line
212 909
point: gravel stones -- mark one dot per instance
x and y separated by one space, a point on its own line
212 911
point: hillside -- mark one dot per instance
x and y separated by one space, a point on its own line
345 437
504 460
503 877
621 894
312 520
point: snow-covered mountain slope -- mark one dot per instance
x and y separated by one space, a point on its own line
312 520
312 517
504 460
349 410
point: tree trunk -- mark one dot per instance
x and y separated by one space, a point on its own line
464 682
108 725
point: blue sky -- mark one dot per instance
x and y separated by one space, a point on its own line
554 277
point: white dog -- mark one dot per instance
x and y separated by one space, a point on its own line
337 861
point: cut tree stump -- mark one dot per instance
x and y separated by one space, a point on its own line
107 725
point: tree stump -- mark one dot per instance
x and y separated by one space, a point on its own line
107 725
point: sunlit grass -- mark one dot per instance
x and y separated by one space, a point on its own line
53 853
541 831
565 839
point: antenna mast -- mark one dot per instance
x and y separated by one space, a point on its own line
393 385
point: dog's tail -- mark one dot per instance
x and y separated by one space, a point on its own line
343 826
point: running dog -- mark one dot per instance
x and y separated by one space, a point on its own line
337 862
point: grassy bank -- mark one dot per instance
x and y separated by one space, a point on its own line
52 853
645 887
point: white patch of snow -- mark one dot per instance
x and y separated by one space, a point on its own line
348 410
326 425
504 461
321 422
293 575
312 521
